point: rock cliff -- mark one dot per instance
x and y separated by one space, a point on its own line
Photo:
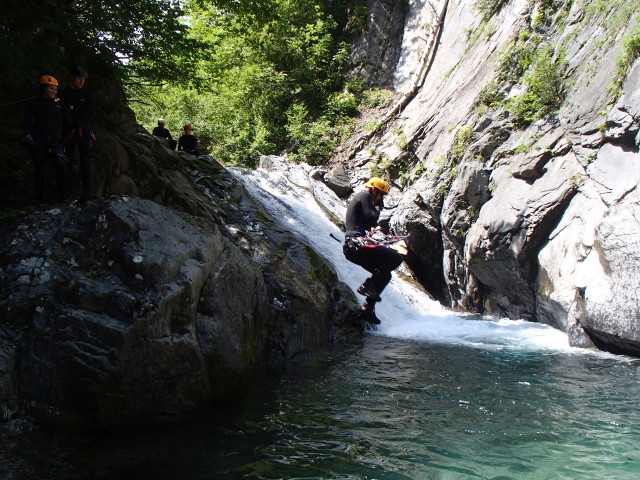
513 149
128 311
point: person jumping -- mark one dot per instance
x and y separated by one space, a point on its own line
362 216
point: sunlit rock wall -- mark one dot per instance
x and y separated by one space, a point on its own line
536 220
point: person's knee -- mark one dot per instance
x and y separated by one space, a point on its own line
391 260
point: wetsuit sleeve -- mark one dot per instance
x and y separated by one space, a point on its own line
29 120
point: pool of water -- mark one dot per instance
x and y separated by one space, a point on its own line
404 409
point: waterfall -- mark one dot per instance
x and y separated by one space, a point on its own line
289 195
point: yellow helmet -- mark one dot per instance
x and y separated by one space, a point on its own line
378 183
48 80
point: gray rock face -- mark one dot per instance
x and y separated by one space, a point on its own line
107 298
123 312
592 259
338 181
372 54
536 221
622 121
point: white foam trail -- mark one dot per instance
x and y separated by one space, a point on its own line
405 311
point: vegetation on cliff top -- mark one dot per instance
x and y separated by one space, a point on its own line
253 77
269 78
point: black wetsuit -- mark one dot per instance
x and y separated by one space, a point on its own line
164 133
47 123
81 108
362 215
189 144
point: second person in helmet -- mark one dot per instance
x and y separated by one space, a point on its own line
188 142
362 216
81 108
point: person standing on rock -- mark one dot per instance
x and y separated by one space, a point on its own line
188 142
362 216
81 108
47 126
163 132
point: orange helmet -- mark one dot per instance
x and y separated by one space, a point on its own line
48 80
380 184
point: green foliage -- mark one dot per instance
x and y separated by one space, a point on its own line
376 98
534 65
473 212
372 126
380 164
517 59
488 8
460 142
522 148
419 170
443 188
269 78
577 179
543 84
514 62
341 105
629 53
490 95
52 35
403 143
311 142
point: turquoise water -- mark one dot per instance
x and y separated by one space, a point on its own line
402 409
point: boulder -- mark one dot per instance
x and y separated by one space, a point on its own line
503 244
338 181
122 312
592 258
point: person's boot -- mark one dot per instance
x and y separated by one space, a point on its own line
369 313
368 289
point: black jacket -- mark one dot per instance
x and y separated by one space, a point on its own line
47 120
162 132
80 106
188 143
362 214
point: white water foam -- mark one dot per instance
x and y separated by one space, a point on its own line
405 311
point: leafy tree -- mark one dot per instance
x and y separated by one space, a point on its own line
46 35
260 59
109 38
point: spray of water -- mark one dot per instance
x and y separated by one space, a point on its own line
289 196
